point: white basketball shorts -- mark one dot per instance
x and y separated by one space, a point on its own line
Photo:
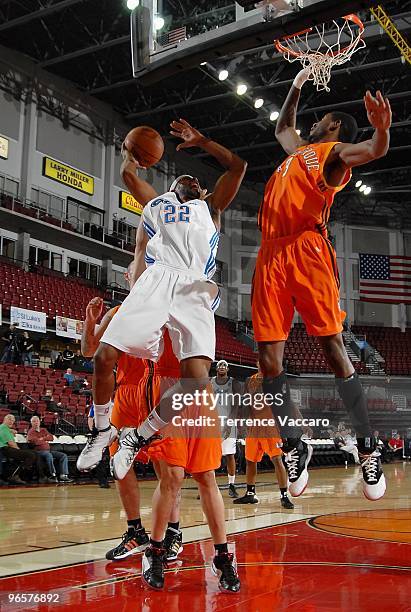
166 298
229 446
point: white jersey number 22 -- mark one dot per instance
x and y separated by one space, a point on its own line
173 214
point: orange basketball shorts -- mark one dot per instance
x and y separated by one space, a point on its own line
195 444
195 455
256 448
132 403
296 272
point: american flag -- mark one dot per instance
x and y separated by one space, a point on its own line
385 278
169 38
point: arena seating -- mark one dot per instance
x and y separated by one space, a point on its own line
54 294
231 349
26 385
393 345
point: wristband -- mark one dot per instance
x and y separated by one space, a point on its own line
301 78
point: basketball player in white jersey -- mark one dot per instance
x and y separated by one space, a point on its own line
227 391
177 239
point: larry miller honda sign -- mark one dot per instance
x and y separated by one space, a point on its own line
67 175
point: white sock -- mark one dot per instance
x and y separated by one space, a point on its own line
151 425
231 479
102 413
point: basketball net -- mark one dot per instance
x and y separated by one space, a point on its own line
320 48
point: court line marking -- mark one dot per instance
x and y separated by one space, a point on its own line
126 578
310 523
196 524
302 519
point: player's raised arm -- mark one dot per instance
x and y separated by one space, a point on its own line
139 264
380 116
92 332
227 186
142 191
285 130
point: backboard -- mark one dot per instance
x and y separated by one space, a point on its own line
253 24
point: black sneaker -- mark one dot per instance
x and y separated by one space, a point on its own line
152 567
133 542
232 491
296 462
65 478
286 503
173 543
248 498
225 567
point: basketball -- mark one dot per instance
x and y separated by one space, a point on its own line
145 144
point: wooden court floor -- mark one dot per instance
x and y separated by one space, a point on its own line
335 551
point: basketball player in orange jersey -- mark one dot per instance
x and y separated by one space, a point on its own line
260 441
138 390
296 268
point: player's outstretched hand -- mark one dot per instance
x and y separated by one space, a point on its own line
302 77
129 157
378 111
189 135
94 309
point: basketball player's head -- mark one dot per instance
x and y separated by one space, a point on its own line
222 368
334 126
186 188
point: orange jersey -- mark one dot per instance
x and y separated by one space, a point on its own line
297 197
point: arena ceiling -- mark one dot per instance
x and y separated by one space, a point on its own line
88 43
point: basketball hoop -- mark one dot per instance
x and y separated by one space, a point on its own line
315 49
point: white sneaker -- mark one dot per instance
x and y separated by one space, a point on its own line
129 444
92 453
374 484
296 462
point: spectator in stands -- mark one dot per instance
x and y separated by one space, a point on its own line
380 446
12 350
52 405
78 361
396 444
80 387
39 437
344 441
54 354
10 450
26 349
58 363
67 357
69 377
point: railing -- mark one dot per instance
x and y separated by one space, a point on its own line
71 224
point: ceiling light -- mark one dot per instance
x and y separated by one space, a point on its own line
358 184
203 64
158 23
241 89
298 132
223 75
363 188
274 116
367 190
258 103
132 4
